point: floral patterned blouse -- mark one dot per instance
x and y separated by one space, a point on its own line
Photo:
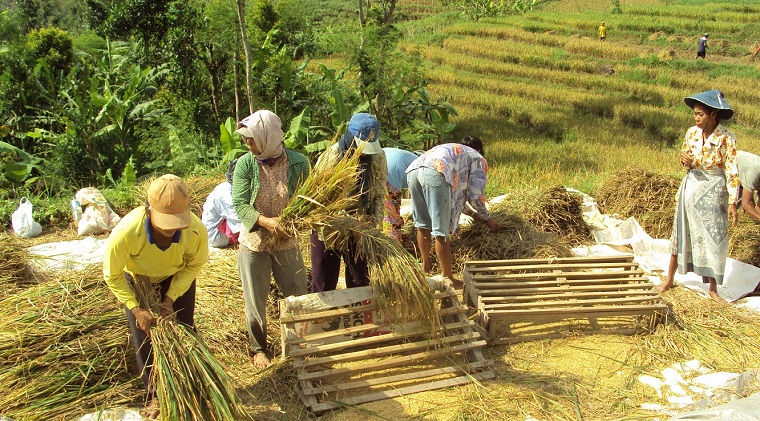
718 151
467 173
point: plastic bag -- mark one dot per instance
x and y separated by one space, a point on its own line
23 222
97 216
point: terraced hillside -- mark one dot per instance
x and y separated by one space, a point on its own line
556 104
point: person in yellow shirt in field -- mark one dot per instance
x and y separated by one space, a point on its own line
602 32
166 243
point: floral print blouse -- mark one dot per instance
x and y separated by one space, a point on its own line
717 151
467 173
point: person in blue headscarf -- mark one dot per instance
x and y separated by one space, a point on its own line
707 196
362 134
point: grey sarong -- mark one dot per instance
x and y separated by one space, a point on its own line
700 226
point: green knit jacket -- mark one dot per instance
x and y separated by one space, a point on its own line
245 184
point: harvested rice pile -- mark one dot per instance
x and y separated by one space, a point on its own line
744 240
64 350
559 212
516 239
646 196
14 272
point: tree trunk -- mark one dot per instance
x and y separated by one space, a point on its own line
247 50
389 12
361 14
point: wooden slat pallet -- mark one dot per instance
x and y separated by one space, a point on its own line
346 352
528 299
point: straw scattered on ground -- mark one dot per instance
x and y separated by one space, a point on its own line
64 350
644 195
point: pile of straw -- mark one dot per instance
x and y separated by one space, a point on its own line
14 269
516 239
745 240
189 381
63 347
646 196
559 212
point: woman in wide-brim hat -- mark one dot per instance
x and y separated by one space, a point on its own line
708 193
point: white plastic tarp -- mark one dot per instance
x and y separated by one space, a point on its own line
653 255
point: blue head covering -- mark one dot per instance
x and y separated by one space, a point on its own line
713 99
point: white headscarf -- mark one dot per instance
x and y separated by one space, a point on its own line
266 130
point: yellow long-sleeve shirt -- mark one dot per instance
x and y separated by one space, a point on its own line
129 250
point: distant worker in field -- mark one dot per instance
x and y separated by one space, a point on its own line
757 50
219 215
166 244
442 181
702 46
708 193
749 177
265 178
602 32
397 160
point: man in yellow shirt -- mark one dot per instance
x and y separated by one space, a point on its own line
166 243
602 32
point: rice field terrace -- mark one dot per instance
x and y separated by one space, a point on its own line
556 104
556 107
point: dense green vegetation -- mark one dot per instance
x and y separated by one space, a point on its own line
103 94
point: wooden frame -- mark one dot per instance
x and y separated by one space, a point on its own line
528 299
370 358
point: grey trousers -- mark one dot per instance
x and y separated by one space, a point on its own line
256 270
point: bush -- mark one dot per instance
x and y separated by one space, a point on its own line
52 44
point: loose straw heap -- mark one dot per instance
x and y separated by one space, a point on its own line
646 196
515 239
14 268
189 381
63 347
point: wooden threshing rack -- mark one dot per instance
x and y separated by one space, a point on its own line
346 352
527 299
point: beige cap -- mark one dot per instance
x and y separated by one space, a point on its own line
169 203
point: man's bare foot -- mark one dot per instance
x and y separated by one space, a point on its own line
714 295
663 287
260 360
152 410
456 283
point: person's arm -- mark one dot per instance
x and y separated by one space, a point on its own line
114 263
245 186
195 254
748 203
731 169
476 191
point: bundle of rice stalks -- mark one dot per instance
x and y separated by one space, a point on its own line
646 196
14 269
398 278
515 239
63 347
322 200
321 204
559 212
189 381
